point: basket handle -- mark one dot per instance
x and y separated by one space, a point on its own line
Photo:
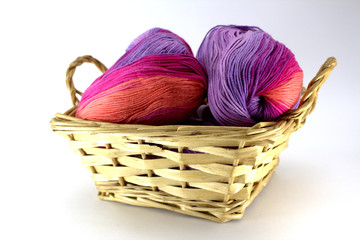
308 100
70 73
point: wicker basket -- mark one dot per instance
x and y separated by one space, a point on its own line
151 166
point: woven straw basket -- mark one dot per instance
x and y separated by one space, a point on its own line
151 166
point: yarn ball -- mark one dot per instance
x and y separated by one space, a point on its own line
251 76
157 81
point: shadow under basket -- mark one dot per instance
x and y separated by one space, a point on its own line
211 172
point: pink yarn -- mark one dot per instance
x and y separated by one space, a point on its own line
156 90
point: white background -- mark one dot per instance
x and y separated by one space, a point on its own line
47 194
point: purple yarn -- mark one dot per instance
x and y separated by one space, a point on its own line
153 42
145 35
244 63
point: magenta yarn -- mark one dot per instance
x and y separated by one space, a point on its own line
251 76
155 41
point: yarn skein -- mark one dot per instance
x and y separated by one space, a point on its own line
251 76
155 41
157 81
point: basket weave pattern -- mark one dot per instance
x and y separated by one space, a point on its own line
212 172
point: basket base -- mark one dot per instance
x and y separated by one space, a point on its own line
215 211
